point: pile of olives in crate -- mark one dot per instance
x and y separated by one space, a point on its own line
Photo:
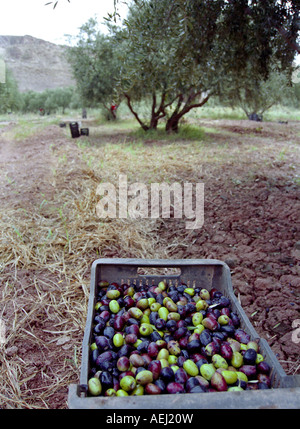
151 340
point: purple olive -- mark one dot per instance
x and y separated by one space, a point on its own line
160 323
123 363
152 389
153 349
235 319
191 383
161 384
249 357
218 382
155 367
103 343
241 336
226 351
167 374
125 350
193 346
248 370
205 337
263 367
197 389
212 348
174 387
179 333
181 376
119 323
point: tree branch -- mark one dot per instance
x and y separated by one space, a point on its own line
145 127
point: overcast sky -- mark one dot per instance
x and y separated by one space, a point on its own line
32 17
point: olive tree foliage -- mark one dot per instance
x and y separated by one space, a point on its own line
181 52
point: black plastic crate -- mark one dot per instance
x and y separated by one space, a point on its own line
207 273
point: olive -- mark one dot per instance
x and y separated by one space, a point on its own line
174 348
152 389
219 361
181 376
153 349
197 389
109 332
155 367
250 357
144 377
205 337
210 323
155 336
264 378
143 346
190 367
161 384
106 380
263 367
202 382
103 343
110 392
236 360
179 333
136 360
128 383
212 348
174 387
160 324
230 376
207 370
248 370
171 326
119 322
218 382
94 386
226 350
191 383
241 336
125 350
167 374
193 346
118 340
123 363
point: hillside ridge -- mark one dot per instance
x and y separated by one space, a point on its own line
36 64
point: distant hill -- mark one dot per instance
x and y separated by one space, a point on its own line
36 64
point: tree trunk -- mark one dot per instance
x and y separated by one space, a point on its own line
172 124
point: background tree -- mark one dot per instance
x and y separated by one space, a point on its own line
256 96
10 99
95 67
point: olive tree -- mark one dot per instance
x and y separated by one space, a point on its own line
95 66
181 52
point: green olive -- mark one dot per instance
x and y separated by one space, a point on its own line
190 367
94 386
114 306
